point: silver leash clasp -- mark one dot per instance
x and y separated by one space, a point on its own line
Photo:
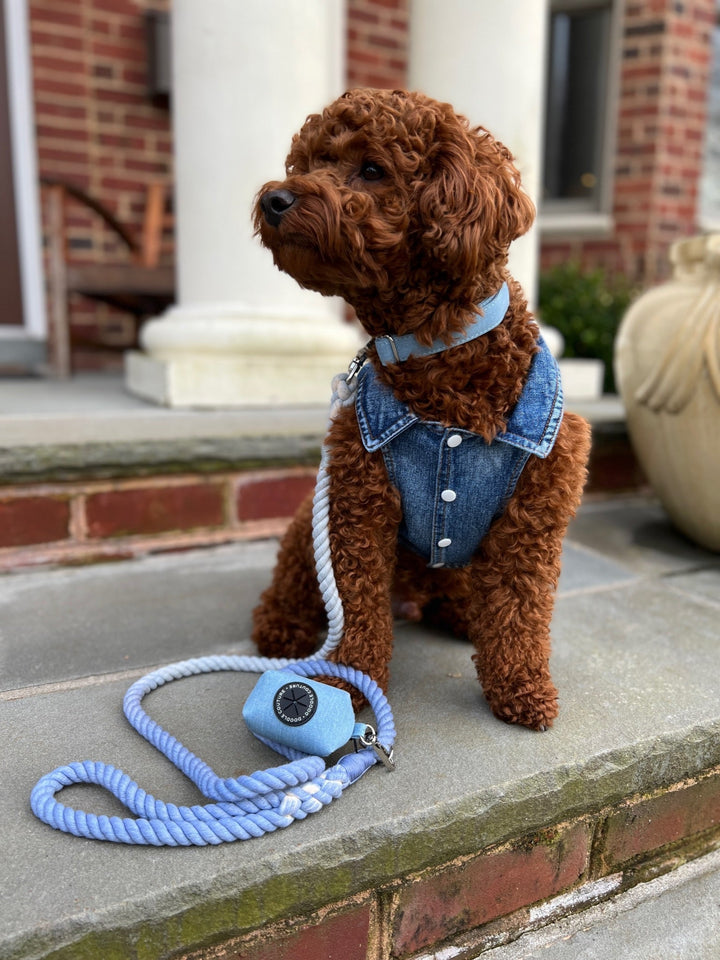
369 739
356 364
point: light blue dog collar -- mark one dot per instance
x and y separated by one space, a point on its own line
396 349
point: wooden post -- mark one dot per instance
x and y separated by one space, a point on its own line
57 285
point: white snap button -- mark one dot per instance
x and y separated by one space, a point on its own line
454 440
448 496
445 542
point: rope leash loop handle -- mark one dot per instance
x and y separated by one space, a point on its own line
247 806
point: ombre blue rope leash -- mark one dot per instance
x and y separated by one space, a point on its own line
241 807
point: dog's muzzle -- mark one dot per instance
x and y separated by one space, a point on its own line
275 204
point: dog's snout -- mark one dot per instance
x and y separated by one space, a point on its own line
275 204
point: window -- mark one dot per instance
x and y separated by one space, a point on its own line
710 181
579 98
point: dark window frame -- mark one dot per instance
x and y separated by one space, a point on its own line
596 205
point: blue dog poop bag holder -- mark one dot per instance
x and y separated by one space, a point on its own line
302 713
300 718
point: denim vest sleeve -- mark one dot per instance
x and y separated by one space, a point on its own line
452 483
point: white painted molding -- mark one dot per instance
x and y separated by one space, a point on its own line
24 161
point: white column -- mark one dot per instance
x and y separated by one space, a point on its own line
245 76
487 58
24 168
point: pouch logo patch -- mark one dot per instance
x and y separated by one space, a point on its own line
295 703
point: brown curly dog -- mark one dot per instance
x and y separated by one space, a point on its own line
395 203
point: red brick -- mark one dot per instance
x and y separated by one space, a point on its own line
122 141
28 520
378 40
647 825
341 937
115 184
357 56
613 465
59 88
145 510
51 14
72 112
461 897
355 12
122 96
130 31
67 41
276 496
62 65
147 166
118 52
145 122
100 26
49 133
62 156
115 6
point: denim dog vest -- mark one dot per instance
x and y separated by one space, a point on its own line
452 483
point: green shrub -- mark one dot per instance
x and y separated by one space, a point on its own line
586 307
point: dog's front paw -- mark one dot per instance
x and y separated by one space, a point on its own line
530 704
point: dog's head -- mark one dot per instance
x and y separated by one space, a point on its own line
389 191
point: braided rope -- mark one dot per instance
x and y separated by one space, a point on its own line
242 807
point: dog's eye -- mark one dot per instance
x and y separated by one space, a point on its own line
371 171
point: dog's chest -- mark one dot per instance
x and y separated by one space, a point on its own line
452 483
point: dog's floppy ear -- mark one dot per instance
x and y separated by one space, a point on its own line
471 205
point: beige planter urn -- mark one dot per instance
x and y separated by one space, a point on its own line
667 365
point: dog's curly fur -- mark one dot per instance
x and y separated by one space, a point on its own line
396 204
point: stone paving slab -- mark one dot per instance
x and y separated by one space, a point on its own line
110 617
635 533
636 638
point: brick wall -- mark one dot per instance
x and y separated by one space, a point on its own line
665 64
97 128
377 43
87 521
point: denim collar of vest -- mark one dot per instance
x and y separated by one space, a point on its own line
396 349
532 426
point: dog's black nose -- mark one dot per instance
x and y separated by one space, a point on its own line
275 204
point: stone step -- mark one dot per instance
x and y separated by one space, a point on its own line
479 830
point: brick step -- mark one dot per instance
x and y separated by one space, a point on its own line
485 833
117 519
103 476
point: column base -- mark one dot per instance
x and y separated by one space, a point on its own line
211 382
200 358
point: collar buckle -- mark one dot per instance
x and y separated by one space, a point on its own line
389 339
